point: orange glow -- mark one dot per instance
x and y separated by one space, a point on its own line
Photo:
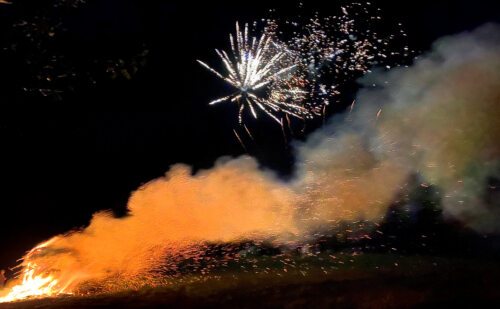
173 218
170 217
34 282
32 286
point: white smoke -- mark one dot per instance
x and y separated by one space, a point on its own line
439 118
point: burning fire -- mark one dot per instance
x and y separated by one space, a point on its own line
32 286
35 282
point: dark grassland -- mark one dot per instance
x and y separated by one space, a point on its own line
365 281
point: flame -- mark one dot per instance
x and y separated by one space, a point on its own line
35 282
32 286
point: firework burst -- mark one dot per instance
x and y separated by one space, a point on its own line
298 67
263 73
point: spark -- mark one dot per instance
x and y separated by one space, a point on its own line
262 72
240 140
298 67
352 106
248 132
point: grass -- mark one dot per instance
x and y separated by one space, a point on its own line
346 281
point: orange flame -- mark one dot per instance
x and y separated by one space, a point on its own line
35 282
33 286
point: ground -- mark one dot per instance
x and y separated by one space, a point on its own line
369 281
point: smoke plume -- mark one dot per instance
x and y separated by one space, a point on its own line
438 119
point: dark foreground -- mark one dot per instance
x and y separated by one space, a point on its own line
414 282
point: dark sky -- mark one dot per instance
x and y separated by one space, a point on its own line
126 99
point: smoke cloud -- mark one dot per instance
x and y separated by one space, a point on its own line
438 118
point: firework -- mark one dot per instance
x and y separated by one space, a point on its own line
298 67
262 72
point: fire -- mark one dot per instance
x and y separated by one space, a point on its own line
170 219
35 282
32 285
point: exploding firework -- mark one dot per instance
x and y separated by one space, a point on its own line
297 68
256 64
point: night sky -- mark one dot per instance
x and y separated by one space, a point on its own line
100 98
